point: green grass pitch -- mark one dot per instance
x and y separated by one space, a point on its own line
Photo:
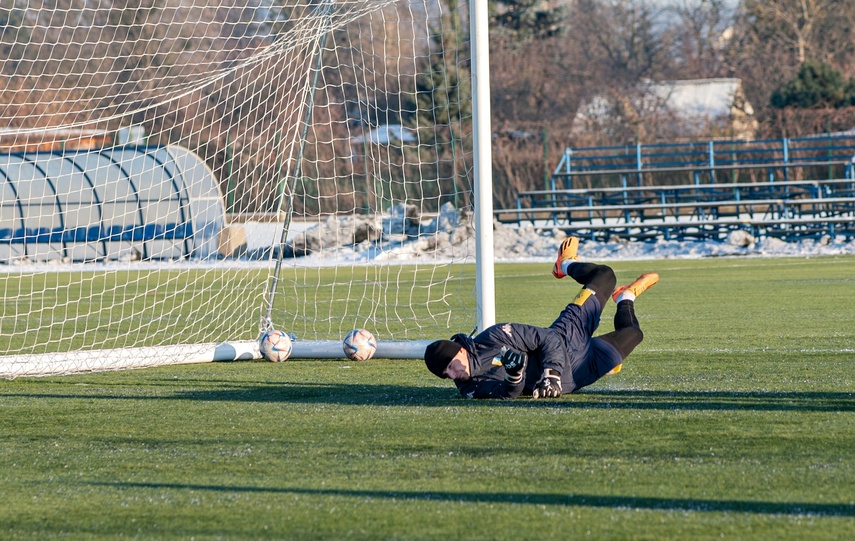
734 419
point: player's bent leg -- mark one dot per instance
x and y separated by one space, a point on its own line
624 340
597 278
615 370
633 290
607 357
627 334
583 312
566 253
625 317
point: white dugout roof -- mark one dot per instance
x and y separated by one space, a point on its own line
108 204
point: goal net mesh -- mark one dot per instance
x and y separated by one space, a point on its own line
185 172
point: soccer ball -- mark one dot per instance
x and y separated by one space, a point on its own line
359 345
275 346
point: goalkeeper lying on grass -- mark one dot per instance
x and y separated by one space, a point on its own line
510 359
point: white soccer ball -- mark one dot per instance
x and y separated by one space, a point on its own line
359 345
275 346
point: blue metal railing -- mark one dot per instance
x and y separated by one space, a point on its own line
707 157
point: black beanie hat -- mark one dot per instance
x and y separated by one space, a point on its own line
439 354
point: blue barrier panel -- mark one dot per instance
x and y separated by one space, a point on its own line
137 232
43 235
149 231
77 234
178 231
113 233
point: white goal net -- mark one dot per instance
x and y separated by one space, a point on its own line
178 175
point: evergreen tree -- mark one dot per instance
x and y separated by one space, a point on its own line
443 93
527 19
815 85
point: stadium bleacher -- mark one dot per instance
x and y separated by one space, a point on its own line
789 189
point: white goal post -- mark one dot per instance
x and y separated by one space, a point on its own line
177 176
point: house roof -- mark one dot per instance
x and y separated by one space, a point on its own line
703 97
695 98
387 133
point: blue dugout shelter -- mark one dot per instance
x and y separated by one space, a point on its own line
108 204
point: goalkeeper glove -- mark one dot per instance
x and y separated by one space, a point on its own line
549 385
514 363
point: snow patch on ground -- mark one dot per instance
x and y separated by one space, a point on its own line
401 235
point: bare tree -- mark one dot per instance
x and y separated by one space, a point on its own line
772 38
700 31
796 25
624 39
538 80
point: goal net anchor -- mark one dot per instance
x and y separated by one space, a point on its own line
76 362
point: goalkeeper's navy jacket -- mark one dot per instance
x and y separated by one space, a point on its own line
546 348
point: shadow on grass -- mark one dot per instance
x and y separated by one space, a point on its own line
576 500
404 395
